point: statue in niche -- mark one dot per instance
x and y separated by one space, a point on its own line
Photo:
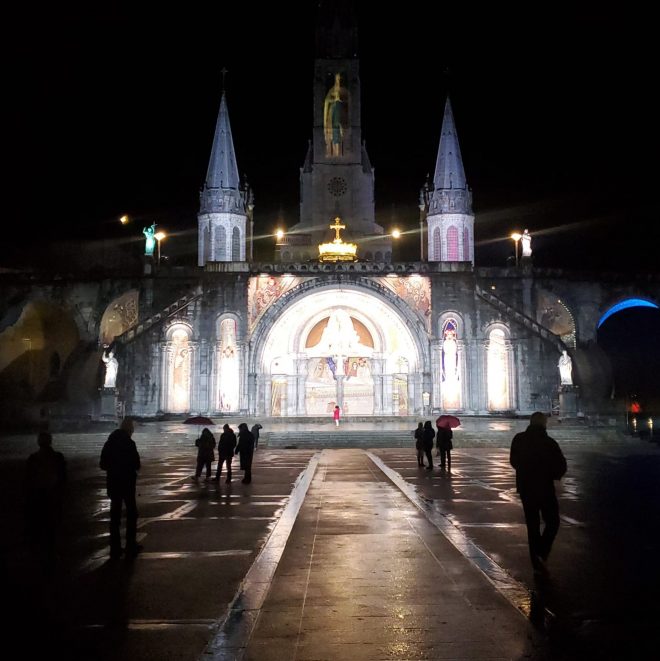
150 240
111 367
526 242
335 118
565 366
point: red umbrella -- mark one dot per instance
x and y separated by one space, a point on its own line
198 420
450 421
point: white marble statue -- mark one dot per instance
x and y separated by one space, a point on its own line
565 365
526 241
111 366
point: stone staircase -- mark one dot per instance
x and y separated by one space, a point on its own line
159 317
393 438
521 318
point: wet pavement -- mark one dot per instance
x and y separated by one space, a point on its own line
369 558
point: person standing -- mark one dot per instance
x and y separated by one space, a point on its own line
335 415
121 461
255 432
419 443
245 449
45 477
205 445
538 461
428 436
445 445
226 447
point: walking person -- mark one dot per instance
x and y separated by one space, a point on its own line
428 436
445 446
419 443
255 432
335 415
205 445
245 449
45 477
538 461
226 447
121 461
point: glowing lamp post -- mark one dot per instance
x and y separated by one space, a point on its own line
279 234
159 236
396 233
516 236
124 220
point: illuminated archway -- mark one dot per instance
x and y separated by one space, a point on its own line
624 305
338 345
177 368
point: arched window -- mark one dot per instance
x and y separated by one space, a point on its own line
497 370
236 245
228 367
178 395
220 244
206 248
437 246
452 244
451 376
466 245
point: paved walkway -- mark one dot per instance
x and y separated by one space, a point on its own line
365 575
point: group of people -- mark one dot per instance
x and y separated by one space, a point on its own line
535 456
425 436
228 446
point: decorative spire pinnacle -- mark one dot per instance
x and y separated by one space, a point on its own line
449 172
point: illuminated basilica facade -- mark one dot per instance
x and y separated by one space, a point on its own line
329 320
298 335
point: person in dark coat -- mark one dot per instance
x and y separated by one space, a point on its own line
445 446
205 445
121 461
419 443
428 437
226 447
255 432
538 461
45 477
245 449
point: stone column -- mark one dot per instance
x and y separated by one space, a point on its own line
194 377
388 393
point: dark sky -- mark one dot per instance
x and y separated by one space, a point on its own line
112 108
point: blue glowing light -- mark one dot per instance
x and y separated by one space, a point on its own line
628 303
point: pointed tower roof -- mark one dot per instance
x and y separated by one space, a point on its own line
223 171
222 180
449 172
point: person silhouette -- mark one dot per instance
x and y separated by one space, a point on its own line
538 461
121 461
45 477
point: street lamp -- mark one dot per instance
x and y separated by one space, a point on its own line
396 233
280 235
124 219
159 236
516 236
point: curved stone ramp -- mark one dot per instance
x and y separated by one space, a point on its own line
365 575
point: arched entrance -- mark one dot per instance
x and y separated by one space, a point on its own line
628 333
339 345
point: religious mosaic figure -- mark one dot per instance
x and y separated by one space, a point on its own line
150 240
565 366
451 397
335 118
229 367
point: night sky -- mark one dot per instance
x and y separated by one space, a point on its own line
112 108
